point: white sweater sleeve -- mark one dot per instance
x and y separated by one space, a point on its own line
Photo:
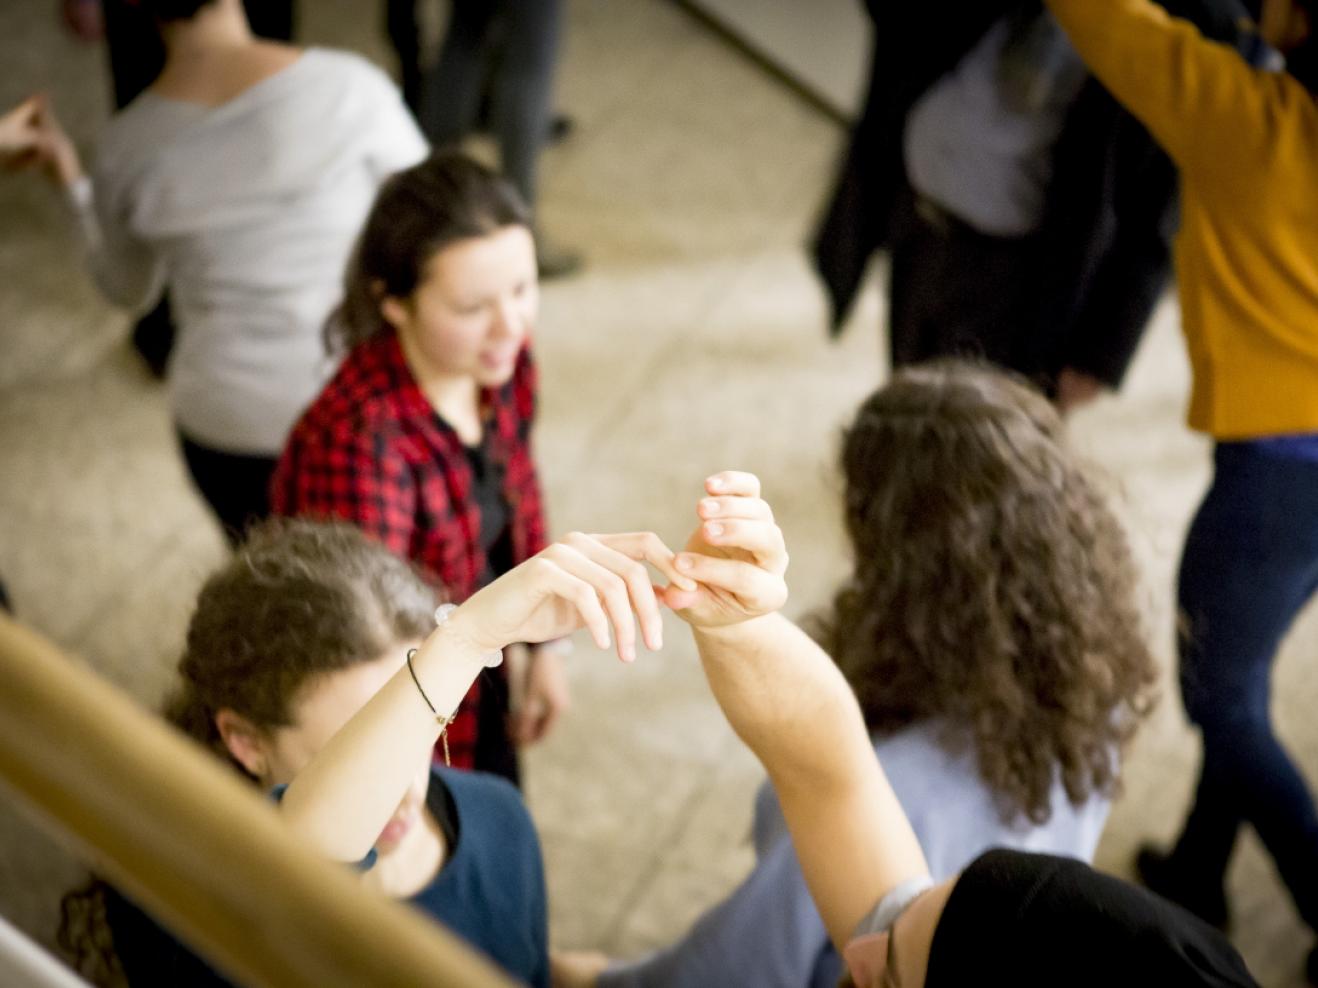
126 270
396 140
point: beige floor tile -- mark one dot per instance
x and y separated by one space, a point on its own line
709 853
93 487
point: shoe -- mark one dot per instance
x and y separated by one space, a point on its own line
555 261
1160 873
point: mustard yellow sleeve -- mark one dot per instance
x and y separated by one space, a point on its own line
1200 99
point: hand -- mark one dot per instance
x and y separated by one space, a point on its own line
19 133
590 581
47 146
544 698
576 968
1076 389
736 554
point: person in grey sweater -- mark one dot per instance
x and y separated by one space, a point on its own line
991 634
238 181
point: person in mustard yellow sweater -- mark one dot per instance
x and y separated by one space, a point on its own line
1246 144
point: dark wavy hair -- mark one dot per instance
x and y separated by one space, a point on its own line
417 213
993 590
299 600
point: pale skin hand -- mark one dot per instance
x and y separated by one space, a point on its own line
18 129
31 136
737 554
343 798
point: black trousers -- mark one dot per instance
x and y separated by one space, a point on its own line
506 50
236 487
956 292
495 751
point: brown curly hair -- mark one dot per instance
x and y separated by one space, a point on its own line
993 589
299 600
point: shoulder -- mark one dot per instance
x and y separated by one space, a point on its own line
358 404
348 71
134 137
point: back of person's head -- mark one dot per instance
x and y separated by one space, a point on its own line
299 600
993 590
418 212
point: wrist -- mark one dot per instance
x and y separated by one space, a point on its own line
463 633
730 635
451 646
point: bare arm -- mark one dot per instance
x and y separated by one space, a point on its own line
787 700
342 799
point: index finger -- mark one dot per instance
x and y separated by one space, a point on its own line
734 482
647 547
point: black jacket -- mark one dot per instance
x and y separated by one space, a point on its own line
1110 208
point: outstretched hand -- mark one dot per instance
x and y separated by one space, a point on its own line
31 136
593 581
19 132
736 554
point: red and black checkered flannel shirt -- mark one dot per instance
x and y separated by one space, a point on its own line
371 450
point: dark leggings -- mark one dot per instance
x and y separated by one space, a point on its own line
512 44
1250 564
237 487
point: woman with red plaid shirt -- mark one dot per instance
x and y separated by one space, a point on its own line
422 438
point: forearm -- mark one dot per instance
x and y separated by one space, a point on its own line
786 699
343 798
127 273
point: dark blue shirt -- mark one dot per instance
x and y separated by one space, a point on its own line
490 891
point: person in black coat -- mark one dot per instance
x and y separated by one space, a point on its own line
1068 307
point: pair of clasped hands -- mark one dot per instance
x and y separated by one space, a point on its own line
730 571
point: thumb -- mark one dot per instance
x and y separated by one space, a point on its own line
676 599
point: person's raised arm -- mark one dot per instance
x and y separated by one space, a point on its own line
125 269
787 700
343 798
1200 99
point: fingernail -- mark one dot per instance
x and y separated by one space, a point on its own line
629 653
715 482
710 505
684 562
714 528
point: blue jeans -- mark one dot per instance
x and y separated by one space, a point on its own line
1250 564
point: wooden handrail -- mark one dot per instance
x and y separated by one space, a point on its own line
196 845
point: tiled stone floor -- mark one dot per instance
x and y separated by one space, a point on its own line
693 342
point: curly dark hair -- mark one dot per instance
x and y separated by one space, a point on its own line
993 590
299 600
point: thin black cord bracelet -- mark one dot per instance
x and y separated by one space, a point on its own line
443 721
